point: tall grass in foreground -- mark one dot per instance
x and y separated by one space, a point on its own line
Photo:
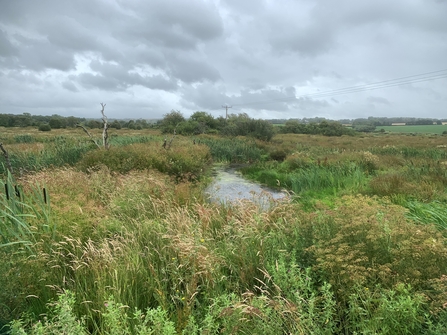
24 213
428 213
129 245
25 219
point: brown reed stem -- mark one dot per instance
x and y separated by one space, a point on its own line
8 162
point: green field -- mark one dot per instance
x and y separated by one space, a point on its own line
423 129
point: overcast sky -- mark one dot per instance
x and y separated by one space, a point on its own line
267 58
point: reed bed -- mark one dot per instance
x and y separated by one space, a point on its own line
232 150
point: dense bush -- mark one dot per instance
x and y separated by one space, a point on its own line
184 162
326 128
44 127
243 125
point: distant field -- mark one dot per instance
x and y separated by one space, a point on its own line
429 129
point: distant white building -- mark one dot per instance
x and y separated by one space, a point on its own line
398 124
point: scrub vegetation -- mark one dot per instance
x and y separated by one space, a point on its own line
122 241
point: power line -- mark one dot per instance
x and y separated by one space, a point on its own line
434 75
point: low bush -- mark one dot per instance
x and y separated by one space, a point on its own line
44 127
184 162
367 242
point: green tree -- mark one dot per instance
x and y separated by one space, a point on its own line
170 121
55 123
130 124
204 122
93 124
115 124
363 125
293 127
4 120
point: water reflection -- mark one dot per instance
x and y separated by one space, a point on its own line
230 187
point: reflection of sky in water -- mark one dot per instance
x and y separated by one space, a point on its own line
228 186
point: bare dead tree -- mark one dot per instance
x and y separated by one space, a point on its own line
8 162
105 135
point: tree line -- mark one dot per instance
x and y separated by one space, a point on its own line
45 122
204 123
243 125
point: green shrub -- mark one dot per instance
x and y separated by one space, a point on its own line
392 311
60 320
278 155
368 242
44 127
187 162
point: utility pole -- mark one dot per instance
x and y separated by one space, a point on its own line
226 110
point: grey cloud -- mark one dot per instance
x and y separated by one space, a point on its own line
158 82
67 33
68 85
89 80
378 100
27 78
173 24
6 48
310 104
121 74
197 18
200 54
268 99
308 41
116 77
248 7
211 97
193 70
411 16
204 96
40 55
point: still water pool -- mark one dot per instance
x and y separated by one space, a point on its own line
229 186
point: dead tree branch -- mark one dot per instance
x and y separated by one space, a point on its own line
105 135
88 133
8 162
167 144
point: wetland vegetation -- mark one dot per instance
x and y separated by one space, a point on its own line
123 241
